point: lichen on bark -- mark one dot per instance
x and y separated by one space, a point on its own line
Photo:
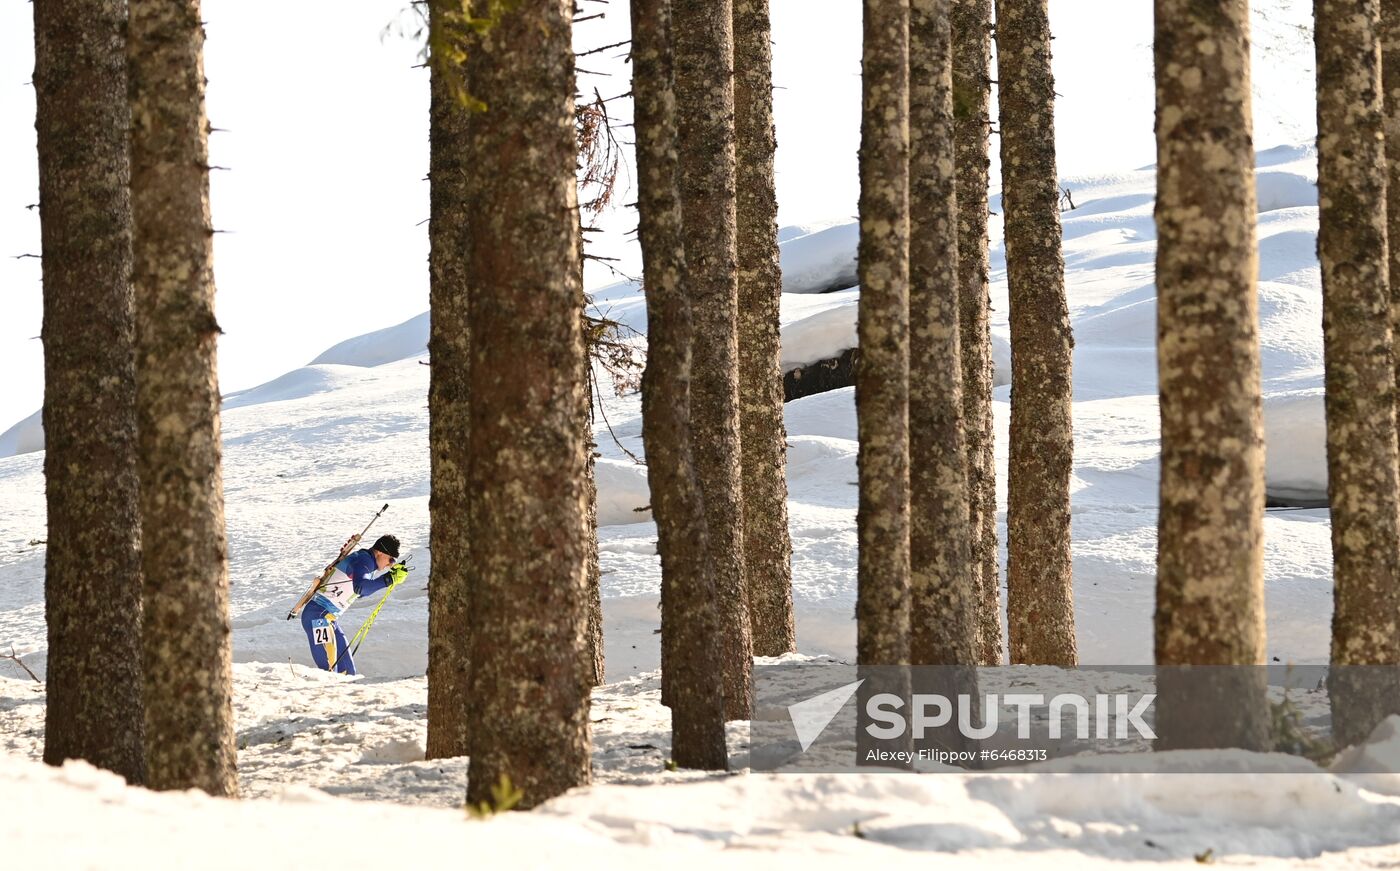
704 65
1359 363
186 633
972 96
1210 583
882 379
1040 594
763 438
449 590
942 631
689 610
529 690
594 659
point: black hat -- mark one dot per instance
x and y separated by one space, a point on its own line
387 544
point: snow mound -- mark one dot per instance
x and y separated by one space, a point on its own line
822 261
1001 360
622 491
1295 448
827 327
394 750
793 231
623 303
1281 154
25 437
1284 190
819 336
1379 753
399 342
297 384
830 415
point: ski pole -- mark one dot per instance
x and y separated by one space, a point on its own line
363 631
353 646
330 569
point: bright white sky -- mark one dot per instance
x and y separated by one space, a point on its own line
325 198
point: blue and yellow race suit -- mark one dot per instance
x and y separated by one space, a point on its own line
356 575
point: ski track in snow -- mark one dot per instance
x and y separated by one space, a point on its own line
310 456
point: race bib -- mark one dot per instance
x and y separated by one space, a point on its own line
321 635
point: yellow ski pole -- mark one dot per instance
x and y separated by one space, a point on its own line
363 631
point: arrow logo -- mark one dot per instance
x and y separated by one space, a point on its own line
810 718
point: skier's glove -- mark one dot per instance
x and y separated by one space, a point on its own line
398 572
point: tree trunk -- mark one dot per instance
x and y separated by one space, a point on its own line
92 587
689 614
449 595
1361 446
882 379
763 438
529 692
1210 568
704 64
187 640
1040 594
942 631
594 663
972 110
1390 81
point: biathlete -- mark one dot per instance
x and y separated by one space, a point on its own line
362 573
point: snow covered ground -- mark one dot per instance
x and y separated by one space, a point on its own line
309 455
317 747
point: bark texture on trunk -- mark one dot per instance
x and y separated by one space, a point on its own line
1360 379
92 579
1390 82
689 611
1040 594
1210 566
529 692
449 595
972 119
187 640
594 662
882 379
763 437
942 631
704 65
